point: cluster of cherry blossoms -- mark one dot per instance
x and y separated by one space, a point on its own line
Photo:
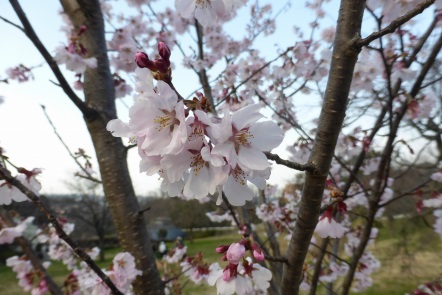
9 233
27 275
81 279
9 193
195 152
74 56
241 275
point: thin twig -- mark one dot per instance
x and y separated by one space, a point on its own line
330 253
231 210
88 175
12 24
395 24
30 33
309 167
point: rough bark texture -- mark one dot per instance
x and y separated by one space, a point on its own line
111 154
344 57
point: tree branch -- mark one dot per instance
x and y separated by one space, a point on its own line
30 33
344 57
309 167
6 175
88 175
395 24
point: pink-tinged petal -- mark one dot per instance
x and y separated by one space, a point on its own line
175 165
258 177
246 116
266 135
218 7
185 7
219 176
225 128
226 150
166 98
237 193
150 165
329 228
197 184
244 285
252 158
215 273
118 128
205 16
156 147
173 189
177 140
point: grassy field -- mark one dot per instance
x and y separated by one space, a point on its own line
410 253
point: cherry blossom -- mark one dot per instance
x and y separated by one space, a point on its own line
73 61
8 234
195 268
205 11
9 193
328 227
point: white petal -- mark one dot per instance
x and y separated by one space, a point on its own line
237 193
266 135
246 116
118 128
252 158
197 185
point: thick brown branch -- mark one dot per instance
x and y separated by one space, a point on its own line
276 259
395 24
6 175
344 58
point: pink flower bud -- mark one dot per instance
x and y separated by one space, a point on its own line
221 249
235 253
164 52
257 252
143 60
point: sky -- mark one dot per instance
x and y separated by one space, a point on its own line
28 138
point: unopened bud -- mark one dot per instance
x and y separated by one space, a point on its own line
221 249
257 252
142 60
164 52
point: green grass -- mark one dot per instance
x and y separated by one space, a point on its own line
410 253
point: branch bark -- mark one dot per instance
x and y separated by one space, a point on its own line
345 54
111 154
